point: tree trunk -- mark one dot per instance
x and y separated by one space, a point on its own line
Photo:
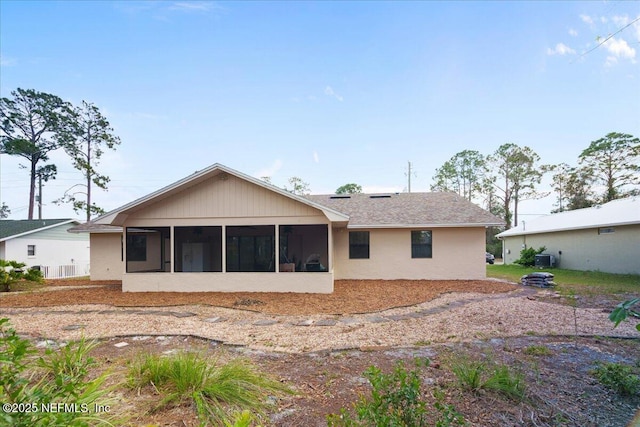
32 186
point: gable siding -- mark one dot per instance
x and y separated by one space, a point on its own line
228 198
59 233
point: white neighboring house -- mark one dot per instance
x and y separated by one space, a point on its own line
46 243
601 238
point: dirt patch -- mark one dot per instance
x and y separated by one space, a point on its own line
560 388
349 296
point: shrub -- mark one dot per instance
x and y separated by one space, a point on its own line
618 377
396 401
528 256
10 273
624 310
61 381
214 390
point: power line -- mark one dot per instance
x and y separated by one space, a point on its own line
608 38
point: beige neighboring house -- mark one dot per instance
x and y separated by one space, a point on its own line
602 238
222 230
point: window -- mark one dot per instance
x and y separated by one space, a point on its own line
136 247
606 230
421 244
31 250
147 249
198 249
359 245
304 247
251 248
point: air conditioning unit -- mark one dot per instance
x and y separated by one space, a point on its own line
545 260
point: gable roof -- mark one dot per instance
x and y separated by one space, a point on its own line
117 216
10 229
398 210
617 212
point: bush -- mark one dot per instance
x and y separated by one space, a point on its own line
61 381
528 256
396 401
214 390
618 377
10 273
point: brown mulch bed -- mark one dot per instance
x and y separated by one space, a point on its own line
349 296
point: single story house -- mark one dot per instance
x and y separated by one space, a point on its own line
45 243
601 238
222 230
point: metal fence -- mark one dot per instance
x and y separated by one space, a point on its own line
64 271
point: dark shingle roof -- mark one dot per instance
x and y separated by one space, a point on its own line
408 209
10 227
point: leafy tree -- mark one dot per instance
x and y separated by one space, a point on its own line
579 190
614 162
4 211
28 123
298 186
516 175
462 174
84 141
266 179
349 189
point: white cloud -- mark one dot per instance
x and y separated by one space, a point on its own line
560 49
619 48
586 19
611 61
316 157
7 62
194 6
270 170
573 32
330 92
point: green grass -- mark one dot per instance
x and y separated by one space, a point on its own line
475 375
574 281
214 390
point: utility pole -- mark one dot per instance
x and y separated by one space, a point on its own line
39 199
409 177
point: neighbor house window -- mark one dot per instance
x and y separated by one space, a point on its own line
359 244
421 244
31 250
251 248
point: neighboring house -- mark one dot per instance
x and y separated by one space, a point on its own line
45 243
602 238
222 230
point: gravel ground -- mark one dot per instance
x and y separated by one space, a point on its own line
380 314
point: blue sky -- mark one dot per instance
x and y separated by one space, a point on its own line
332 92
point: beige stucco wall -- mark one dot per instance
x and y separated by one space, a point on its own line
106 260
458 253
228 282
617 252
